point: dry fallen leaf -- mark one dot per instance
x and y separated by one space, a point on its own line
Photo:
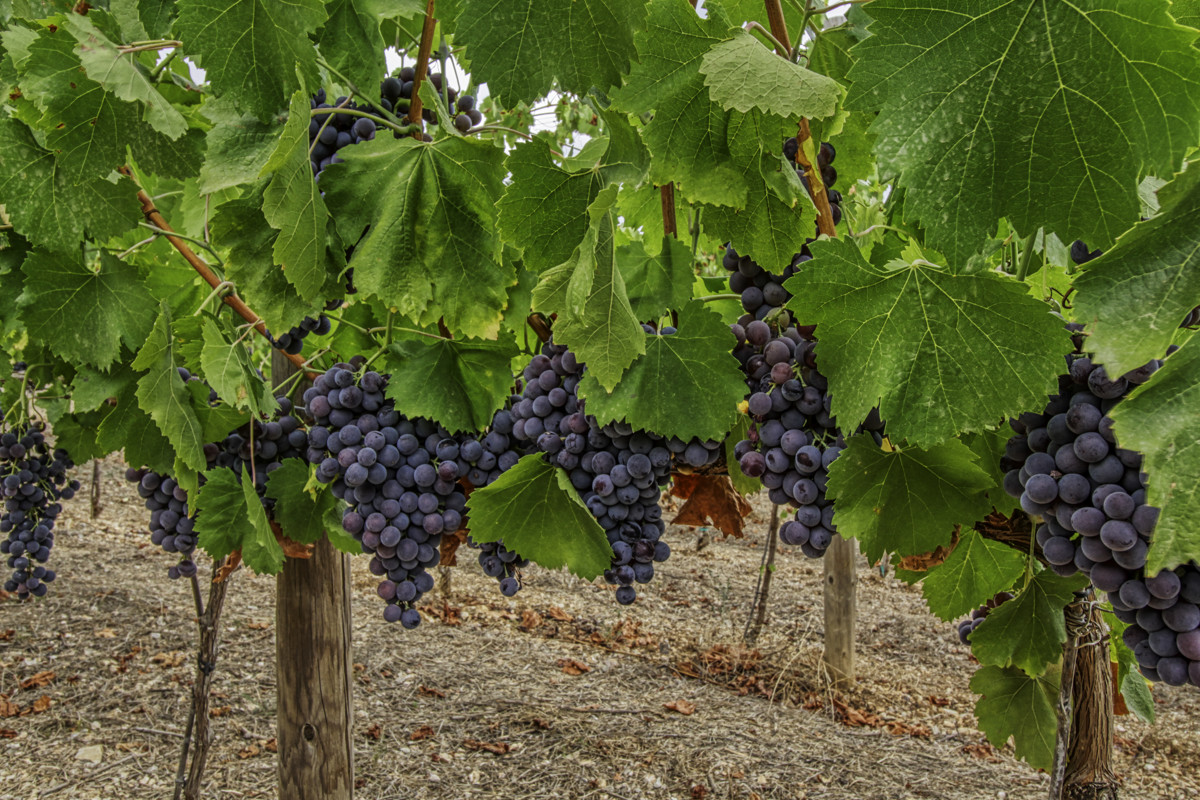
39 705
530 619
7 635
374 731
258 626
499 748
573 667
423 732
38 680
711 500
431 692
557 613
7 733
8 708
681 706
249 751
220 711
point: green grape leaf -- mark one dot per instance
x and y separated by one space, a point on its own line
90 130
120 74
1161 419
351 43
229 370
83 315
976 570
641 207
775 223
457 383
260 549
626 158
659 283
1028 631
255 51
1012 704
293 206
1092 96
536 511
988 447
685 384
1135 296
432 248
604 333
523 48
564 288
129 428
162 394
1130 682
240 226
742 74
906 501
301 505
544 208
78 433
53 208
220 511
943 330
688 138
229 517
91 388
238 147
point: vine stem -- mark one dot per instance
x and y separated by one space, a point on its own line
141 48
712 298
198 242
161 66
756 26
816 186
423 51
668 210
161 225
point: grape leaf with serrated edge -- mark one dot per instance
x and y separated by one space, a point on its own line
352 44
51 208
238 147
522 48
230 517
83 315
432 244
544 208
536 511
972 574
686 384
1092 98
1130 682
1013 704
1160 419
906 501
161 394
229 370
457 383
656 284
300 509
1028 631
742 74
1134 297
292 205
907 337
257 52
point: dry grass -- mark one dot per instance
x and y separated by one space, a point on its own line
557 693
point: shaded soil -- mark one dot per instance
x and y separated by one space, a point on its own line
556 693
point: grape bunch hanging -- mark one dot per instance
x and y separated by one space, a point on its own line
1067 467
33 478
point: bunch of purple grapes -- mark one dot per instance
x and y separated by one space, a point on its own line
257 448
968 625
618 472
292 342
398 477
1067 467
33 478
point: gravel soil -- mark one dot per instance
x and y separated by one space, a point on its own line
555 693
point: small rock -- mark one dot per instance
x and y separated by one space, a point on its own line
93 753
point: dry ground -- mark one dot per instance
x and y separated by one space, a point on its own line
480 702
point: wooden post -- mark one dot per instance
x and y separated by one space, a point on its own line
841 604
1089 771
313 667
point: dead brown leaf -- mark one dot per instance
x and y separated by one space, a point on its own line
8 708
557 613
431 692
499 748
232 561
249 751
940 702
530 619
220 711
374 731
105 633
423 732
259 626
449 548
7 733
38 680
41 704
1119 707
681 706
711 500
573 667
175 658
7 635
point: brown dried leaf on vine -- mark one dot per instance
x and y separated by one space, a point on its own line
711 500
226 569
449 548
291 548
923 562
